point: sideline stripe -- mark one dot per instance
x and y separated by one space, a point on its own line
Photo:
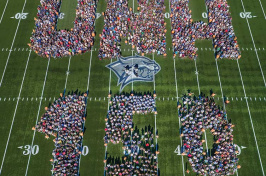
12 45
40 104
250 118
15 113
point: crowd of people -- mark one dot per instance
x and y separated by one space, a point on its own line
140 148
49 42
117 22
120 114
198 114
149 27
144 30
64 120
221 30
185 32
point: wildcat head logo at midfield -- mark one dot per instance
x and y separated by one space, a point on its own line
134 68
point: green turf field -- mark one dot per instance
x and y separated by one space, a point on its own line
30 83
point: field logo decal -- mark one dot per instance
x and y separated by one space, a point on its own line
134 68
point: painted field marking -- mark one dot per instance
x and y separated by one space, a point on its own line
109 90
197 73
250 118
4 11
262 10
12 45
88 84
40 104
67 73
155 115
218 71
178 117
14 115
254 44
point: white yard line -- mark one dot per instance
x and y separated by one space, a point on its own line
88 85
254 45
4 12
177 98
262 10
155 114
197 73
220 82
89 75
222 94
12 46
153 73
132 85
15 112
179 118
250 118
40 104
107 111
67 73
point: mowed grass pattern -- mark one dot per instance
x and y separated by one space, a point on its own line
26 112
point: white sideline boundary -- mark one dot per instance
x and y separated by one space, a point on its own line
88 85
40 104
15 112
179 118
254 44
12 45
4 12
250 118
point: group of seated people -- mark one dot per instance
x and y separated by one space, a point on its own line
140 148
197 115
64 120
144 30
185 32
49 42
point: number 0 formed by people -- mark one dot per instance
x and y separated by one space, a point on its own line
139 145
49 42
197 114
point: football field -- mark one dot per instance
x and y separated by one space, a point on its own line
29 83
